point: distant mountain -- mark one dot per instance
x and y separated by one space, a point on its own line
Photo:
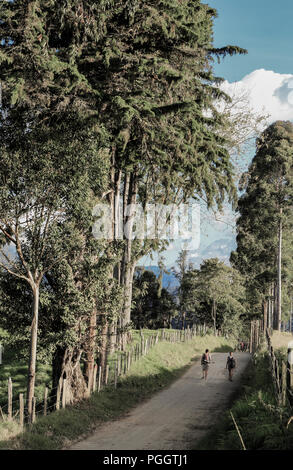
170 282
220 249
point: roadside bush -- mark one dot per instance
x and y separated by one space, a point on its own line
262 423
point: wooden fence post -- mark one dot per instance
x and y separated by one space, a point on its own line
9 399
21 410
45 401
100 378
284 383
274 370
95 378
120 364
115 376
59 389
107 374
34 409
123 363
64 392
131 356
290 372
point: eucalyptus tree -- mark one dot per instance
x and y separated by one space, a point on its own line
161 100
265 211
141 74
153 92
52 159
40 198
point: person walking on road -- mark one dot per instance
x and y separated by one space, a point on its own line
205 362
230 365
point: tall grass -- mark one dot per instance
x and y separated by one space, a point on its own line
262 423
159 368
9 429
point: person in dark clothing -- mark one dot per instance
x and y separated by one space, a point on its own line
230 365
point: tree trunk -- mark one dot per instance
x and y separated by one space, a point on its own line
66 365
279 279
33 352
128 266
103 344
91 350
183 321
265 315
116 225
126 313
270 307
251 337
275 306
57 362
214 316
76 386
112 337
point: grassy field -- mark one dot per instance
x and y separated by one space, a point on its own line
281 340
17 370
164 363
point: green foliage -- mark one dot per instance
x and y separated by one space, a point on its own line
15 367
99 98
262 424
153 306
265 202
165 363
142 71
214 294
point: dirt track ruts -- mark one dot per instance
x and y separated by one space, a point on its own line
175 417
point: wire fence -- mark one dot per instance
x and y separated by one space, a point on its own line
282 376
17 409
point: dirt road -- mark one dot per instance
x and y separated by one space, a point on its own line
175 417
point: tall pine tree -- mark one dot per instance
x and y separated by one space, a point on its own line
265 219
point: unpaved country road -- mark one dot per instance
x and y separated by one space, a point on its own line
175 417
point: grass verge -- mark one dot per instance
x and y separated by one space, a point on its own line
263 425
165 363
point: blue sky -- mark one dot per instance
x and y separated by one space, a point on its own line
263 27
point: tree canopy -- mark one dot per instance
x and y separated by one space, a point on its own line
265 208
109 101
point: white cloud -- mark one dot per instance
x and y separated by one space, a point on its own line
269 92
194 255
170 247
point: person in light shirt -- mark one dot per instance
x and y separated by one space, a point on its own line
205 362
